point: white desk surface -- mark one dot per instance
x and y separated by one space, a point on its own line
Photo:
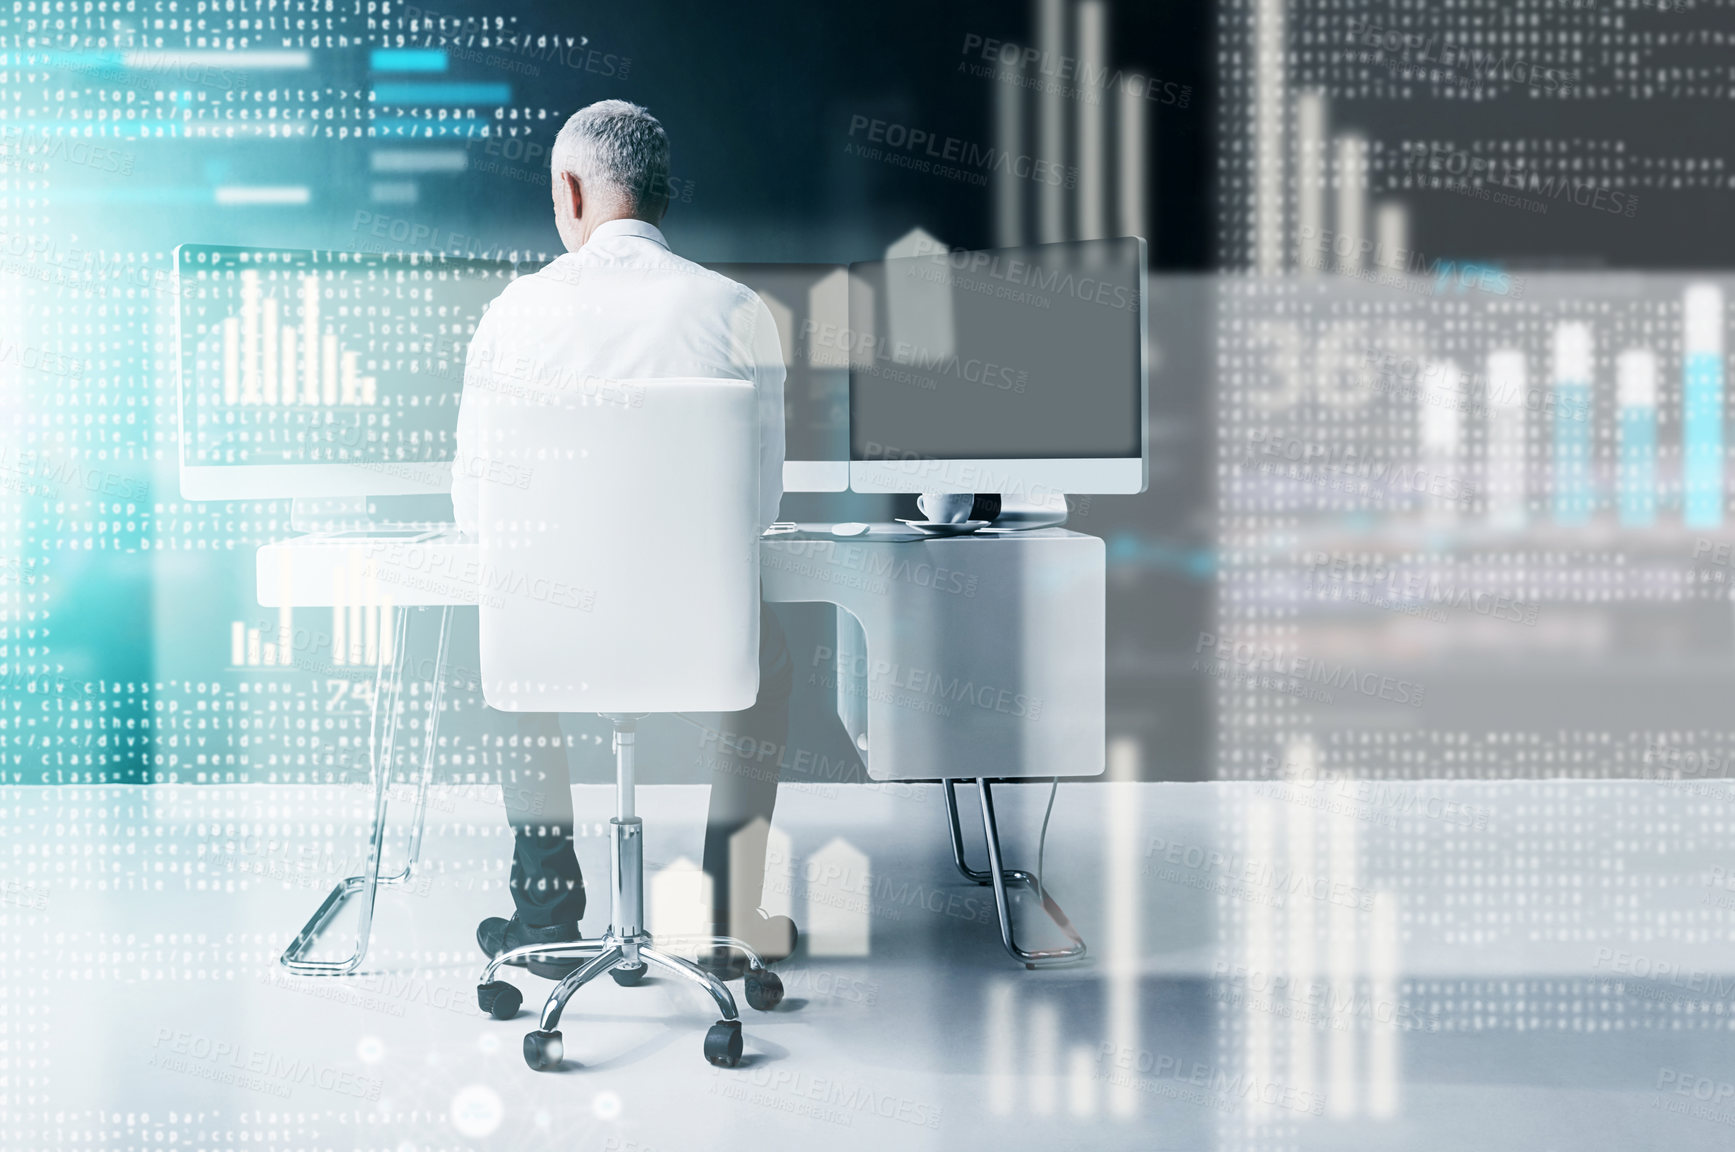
441 567
953 654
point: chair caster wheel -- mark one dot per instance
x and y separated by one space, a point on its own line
764 990
499 999
722 1043
627 977
543 1050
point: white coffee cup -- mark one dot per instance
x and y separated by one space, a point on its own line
946 507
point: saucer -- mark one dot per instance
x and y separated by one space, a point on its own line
942 528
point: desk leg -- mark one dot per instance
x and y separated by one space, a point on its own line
430 733
382 740
1000 877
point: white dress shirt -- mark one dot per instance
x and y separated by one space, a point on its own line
622 308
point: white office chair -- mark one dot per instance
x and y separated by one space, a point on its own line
620 575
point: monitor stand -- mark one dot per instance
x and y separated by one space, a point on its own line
1024 512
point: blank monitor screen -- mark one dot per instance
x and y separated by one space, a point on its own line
1011 354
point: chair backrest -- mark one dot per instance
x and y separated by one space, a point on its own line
619 558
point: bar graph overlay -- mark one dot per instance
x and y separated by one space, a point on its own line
267 361
301 356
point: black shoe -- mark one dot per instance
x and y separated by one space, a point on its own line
773 937
496 935
723 963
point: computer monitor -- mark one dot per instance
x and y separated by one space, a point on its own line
323 374
810 303
1019 371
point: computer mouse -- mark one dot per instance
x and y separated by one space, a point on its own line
849 528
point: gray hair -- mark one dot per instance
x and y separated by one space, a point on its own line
620 146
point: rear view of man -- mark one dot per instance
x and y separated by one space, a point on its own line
621 306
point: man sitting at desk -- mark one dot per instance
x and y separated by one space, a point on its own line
619 305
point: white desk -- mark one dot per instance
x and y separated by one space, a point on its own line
956 656
960 654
